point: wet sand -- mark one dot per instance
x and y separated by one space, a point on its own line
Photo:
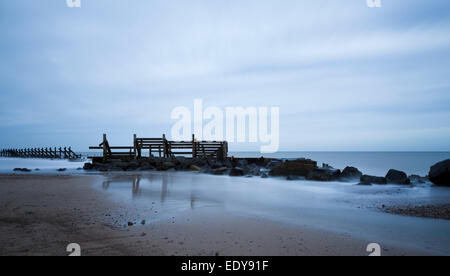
41 215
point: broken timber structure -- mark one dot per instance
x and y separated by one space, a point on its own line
162 148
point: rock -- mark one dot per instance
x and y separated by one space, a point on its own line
440 173
369 179
22 170
273 164
62 170
254 169
299 167
88 166
219 171
130 223
397 177
217 165
417 179
264 175
143 222
228 164
242 163
237 171
195 168
351 173
324 174
293 178
168 165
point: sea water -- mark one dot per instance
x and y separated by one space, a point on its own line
7 165
373 163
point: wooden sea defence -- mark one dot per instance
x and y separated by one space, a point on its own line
45 153
162 148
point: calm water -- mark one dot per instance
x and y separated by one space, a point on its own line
375 163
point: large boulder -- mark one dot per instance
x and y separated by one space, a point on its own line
440 173
324 174
237 171
397 177
219 171
88 166
273 164
351 173
22 170
299 167
254 169
195 168
369 179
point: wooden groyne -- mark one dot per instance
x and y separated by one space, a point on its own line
45 153
162 148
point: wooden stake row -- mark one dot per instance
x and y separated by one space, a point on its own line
47 153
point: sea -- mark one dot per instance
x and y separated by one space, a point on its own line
373 163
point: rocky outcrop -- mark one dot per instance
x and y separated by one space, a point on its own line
351 173
324 174
397 177
273 164
237 171
369 179
440 173
22 170
299 167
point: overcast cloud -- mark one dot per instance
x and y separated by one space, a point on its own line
346 77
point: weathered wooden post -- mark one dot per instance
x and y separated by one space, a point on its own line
194 149
104 147
164 145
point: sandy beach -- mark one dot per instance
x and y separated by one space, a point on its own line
171 214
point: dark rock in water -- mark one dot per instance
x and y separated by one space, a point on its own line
217 165
242 163
397 177
168 165
254 169
237 171
299 167
294 177
195 168
440 173
62 170
22 170
418 179
219 171
88 166
369 179
264 175
130 223
351 173
228 164
273 164
324 174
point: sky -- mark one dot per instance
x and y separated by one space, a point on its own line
345 77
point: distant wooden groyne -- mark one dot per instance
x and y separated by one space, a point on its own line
45 153
162 148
